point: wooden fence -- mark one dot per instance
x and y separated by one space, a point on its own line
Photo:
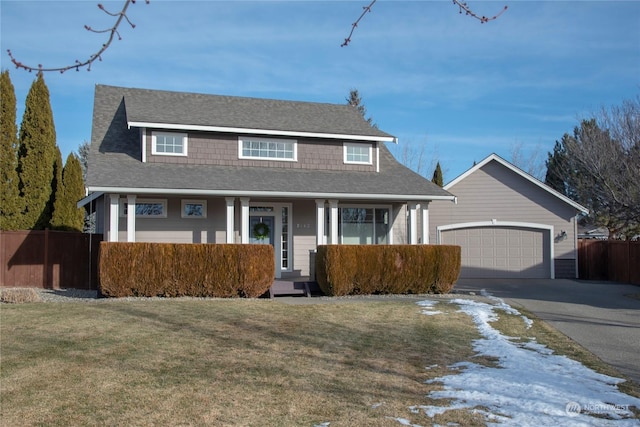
614 260
49 259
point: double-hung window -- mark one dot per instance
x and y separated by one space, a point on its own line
169 143
357 153
267 149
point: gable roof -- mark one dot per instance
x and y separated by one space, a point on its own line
115 166
194 111
495 158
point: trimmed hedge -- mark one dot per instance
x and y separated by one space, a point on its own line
387 269
172 270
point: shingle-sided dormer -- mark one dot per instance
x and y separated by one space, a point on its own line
197 129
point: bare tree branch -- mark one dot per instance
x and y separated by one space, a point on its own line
355 24
113 31
462 6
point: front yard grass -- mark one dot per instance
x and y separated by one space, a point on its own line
226 362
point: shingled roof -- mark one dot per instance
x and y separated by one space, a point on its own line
114 161
163 107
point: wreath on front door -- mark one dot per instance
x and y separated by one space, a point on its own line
261 231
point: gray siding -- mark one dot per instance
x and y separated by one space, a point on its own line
222 150
304 235
495 192
175 229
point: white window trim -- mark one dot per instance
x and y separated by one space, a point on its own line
185 141
194 202
346 145
123 201
294 142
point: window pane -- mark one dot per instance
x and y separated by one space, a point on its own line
382 226
149 209
167 143
357 226
193 209
267 149
358 153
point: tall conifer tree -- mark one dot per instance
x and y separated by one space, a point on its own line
56 184
437 176
66 215
10 202
37 156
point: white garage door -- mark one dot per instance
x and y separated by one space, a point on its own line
501 252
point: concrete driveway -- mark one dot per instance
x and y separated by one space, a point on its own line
601 316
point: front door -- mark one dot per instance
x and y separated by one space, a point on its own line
261 232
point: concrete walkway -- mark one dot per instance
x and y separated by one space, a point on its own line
603 317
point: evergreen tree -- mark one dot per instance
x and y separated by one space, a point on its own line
10 202
66 215
83 155
57 187
355 100
557 168
437 176
36 156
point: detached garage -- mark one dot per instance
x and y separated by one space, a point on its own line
508 224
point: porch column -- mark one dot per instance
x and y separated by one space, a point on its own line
114 204
425 222
333 221
320 222
413 223
244 220
131 218
230 218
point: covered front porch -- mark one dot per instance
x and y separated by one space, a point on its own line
294 226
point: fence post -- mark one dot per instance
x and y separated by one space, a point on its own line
45 264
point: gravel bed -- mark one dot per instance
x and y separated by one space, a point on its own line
67 295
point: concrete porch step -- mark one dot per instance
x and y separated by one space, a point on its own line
293 287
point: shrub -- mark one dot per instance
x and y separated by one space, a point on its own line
382 269
19 295
171 270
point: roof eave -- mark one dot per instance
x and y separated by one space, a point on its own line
276 194
271 132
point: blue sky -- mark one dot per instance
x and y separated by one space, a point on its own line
441 82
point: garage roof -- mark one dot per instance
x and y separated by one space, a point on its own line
525 175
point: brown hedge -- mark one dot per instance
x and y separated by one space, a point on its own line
385 269
172 270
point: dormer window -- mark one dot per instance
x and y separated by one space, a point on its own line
267 149
169 143
356 153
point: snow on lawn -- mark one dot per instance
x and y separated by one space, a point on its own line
530 386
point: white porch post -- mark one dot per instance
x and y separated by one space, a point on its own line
114 204
131 218
425 222
333 220
320 222
413 223
230 218
244 220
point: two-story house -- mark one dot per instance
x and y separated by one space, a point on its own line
194 168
